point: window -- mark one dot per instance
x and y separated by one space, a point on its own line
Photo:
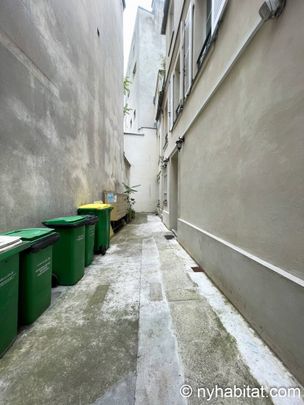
170 103
214 12
201 28
164 129
134 69
170 27
218 7
188 50
177 91
208 17
134 114
175 96
165 187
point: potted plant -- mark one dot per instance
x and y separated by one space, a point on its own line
131 201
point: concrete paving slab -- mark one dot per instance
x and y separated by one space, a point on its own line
156 293
137 327
84 347
159 371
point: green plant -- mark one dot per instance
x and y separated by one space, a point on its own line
131 201
126 90
127 109
126 86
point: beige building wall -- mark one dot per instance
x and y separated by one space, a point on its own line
240 187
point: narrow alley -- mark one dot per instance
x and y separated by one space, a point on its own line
134 330
151 202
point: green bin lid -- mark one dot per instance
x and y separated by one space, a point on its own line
31 233
64 220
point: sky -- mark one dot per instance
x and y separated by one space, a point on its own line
129 20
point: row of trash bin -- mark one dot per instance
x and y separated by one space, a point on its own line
29 258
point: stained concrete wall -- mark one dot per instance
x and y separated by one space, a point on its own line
61 106
240 173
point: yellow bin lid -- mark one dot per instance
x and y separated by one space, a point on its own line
96 206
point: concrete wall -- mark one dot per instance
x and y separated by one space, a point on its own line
146 53
141 150
61 106
131 118
240 173
151 54
127 171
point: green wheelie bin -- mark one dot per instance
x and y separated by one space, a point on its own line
35 276
69 252
102 232
10 247
90 225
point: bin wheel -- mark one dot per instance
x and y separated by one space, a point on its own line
103 250
55 282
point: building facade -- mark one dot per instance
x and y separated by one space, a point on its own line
61 107
230 122
147 53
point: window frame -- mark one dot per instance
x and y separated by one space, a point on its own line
216 17
177 98
212 32
170 102
187 83
170 25
165 187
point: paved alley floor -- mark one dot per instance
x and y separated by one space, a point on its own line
137 327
